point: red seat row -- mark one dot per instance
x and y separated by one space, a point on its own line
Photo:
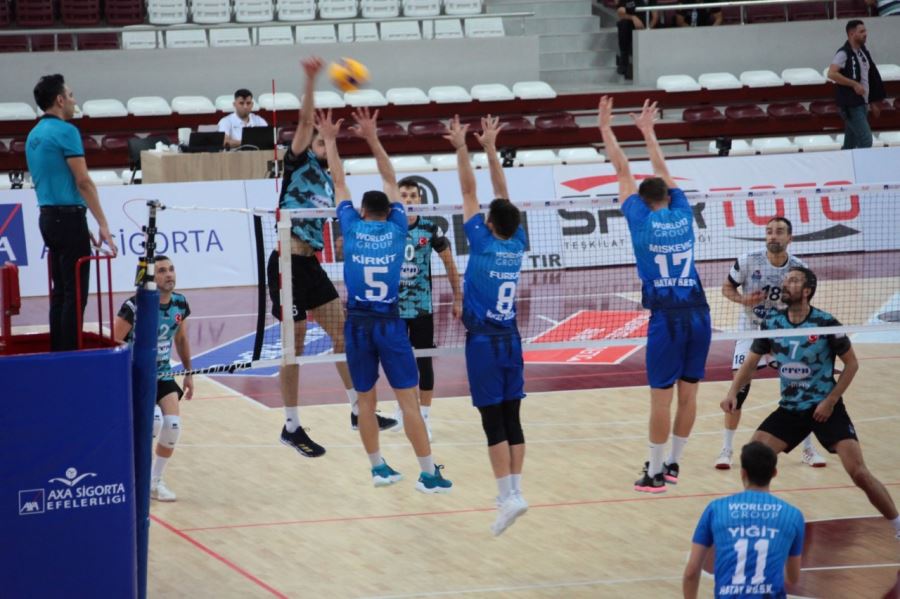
64 42
778 110
71 13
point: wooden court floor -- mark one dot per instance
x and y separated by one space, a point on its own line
254 519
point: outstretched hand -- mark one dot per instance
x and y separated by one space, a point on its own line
604 112
327 128
491 127
456 133
312 66
366 125
649 115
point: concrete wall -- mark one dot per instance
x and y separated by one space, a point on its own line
203 71
773 46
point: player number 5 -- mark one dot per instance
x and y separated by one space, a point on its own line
377 290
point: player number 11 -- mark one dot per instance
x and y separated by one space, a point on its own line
761 547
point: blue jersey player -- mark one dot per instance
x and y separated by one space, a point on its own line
172 330
758 538
374 244
493 347
811 399
662 235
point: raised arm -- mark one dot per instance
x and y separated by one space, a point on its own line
627 186
491 127
644 122
329 131
304 134
456 135
453 277
367 128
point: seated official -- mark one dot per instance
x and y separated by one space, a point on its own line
233 124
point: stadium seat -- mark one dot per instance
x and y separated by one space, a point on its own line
16 111
225 103
52 43
364 32
480 159
816 143
560 121
765 13
533 90
338 9
886 106
329 99
761 79
360 166
537 158
491 92
421 8
148 106
410 164
210 12
474 123
585 155
787 111
823 107
192 105
104 177
739 147
90 145
516 124
35 13
391 130
427 128
279 101
167 12
79 13
719 81
811 11
345 33
446 94
104 108
140 40
295 10
365 97
229 37
851 8
121 13
14 43
677 83
702 115
802 76
379 9
112 143
443 162
316 34
406 96
889 72
462 7
98 41
745 112
17 145
5 18
484 27
889 138
186 38
253 11
774 145
400 30
447 29
275 36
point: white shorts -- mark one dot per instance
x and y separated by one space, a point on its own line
741 349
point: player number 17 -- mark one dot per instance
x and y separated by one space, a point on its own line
662 261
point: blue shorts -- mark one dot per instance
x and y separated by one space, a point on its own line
495 368
677 345
371 340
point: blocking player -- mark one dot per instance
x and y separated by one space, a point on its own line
416 308
307 184
759 274
374 242
494 361
758 538
173 313
811 400
660 221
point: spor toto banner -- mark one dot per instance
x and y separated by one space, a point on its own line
216 249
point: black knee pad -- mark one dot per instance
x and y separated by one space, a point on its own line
690 379
426 374
511 422
492 423
742 395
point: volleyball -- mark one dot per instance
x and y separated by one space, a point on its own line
347 74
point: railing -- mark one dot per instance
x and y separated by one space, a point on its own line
738 3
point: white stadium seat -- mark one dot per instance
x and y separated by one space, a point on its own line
104 108
186 38
889 72
345 33
443 162
586 155
446 94
328 99
537 158
360 166
295 10
337 9
167 12
253 11
802 76
774 145
365 97
192 105
365 32
140 40
480 159
677 83
275 36
816 143
406 96
739 147
485 27
448 29
761 79
421 8
16 111
719 81
316 34
379 9
533 90
229 37
225 102
888 138
279 101
148 106
462 7
105 177
410 164
491 92
210 12
400 30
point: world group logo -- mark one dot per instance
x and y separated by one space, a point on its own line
12 235
71 491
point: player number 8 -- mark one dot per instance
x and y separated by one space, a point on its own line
506 297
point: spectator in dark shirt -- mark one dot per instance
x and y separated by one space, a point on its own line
629 20
698 17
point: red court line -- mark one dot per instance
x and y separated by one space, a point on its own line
219 557
491 509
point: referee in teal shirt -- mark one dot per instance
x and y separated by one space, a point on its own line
65 192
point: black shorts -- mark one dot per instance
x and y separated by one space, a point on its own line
167 386
310 283
792 427
421 331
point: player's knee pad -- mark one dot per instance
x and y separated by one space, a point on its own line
742 395
171 429
511 422
493 424
426 374
690 379
157 420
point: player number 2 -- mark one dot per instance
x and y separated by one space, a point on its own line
376 290
506 297
662 261
761 547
